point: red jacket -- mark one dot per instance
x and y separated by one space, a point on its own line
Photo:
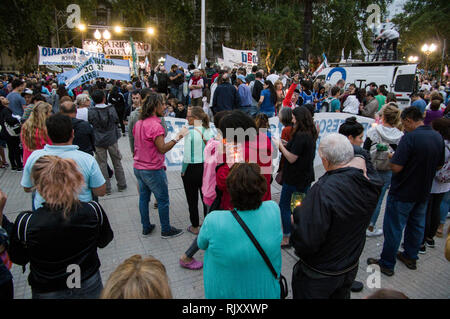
287 102
263 160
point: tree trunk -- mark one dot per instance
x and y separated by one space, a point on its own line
307 24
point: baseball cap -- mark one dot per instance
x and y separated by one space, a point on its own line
242 78
28 91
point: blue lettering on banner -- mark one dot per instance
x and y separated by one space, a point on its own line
44 52
338 69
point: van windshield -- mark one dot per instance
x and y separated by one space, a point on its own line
404 83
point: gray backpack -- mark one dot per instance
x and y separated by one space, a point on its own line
379 154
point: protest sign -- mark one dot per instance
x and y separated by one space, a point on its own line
65 56
96 68
239 58
327 122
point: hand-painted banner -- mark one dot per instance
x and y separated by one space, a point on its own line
118 47
96 68
239 58
327 122
65 56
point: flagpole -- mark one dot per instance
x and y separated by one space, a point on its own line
203 36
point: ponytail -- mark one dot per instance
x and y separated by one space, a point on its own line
198 113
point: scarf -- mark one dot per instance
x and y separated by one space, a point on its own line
195 80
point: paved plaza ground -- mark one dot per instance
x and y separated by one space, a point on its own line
430 280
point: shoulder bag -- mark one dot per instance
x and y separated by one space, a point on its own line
281 279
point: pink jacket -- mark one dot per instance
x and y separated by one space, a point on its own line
209 171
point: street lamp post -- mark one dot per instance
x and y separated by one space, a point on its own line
427 50
102 38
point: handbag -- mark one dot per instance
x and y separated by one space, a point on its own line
282 280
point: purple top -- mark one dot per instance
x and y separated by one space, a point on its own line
432 115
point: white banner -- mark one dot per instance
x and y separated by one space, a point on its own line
118 47
239 58
328 123
65 56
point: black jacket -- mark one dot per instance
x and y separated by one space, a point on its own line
104 121
330 226
6 117
51 243
225 98
83 136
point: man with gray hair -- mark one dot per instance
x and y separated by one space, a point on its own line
330 225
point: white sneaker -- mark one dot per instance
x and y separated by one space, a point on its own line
374 233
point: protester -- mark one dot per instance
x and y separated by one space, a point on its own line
382 141
307 94
381 96
440 186
418 102
104 119
433 113
335 104
17 102
268 99
229 248
116 99
138 278
149 168
329 226
292 95
196 86
176 80
82 131
298 169
34 131
226 97
192 168
245 97
241 142
419 154
352 102
262 124
371 107
63 232
10 133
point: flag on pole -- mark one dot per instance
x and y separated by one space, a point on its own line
147 65
134 57
322 66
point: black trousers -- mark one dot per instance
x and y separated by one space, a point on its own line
192 182
433 218
307 284
121 114
7 290
394 43
14 152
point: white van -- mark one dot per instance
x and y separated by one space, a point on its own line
400 78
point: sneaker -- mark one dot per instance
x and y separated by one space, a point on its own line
19 169
193 265
430 243
147 232
122 188
172 233
423 249
357 286
411 264
374 233
388 272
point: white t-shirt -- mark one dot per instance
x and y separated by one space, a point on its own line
351 105
196 93
390 34
82 114
273 78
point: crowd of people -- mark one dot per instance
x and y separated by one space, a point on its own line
60 141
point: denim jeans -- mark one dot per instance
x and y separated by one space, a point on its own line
444 207
409 216
285 205
91 288
153 181
250 110
269 114
386 177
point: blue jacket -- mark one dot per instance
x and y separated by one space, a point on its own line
225 98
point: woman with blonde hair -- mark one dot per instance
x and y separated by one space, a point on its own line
381 142
280 95
192 169
138 278
34 132
83 102
61 234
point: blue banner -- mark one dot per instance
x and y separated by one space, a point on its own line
170 60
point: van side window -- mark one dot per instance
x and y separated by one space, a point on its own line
404 83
